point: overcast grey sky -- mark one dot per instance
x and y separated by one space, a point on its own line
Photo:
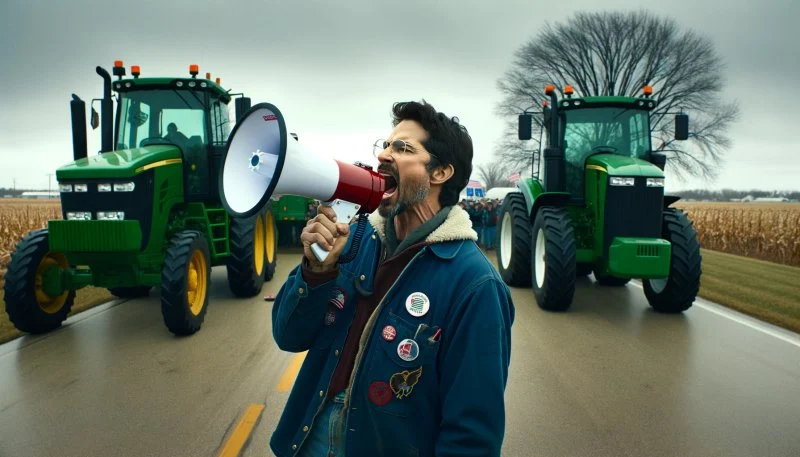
335 68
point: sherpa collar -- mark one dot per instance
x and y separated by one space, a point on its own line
457 226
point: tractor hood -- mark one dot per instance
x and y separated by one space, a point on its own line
124 163
618 165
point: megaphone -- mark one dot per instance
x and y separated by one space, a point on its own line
261 160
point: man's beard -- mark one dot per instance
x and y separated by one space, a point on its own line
416 193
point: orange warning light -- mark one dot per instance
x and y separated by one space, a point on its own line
548 89
568 90
193 69
648 90
117 63
135 70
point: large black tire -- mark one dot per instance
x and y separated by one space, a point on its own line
130 292
611 281
553 242
677 292
270 243
249 264
185 281
28 307
514 241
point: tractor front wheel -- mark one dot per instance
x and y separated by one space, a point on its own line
677 292
253 247
514 243
553 253
29 307
185 280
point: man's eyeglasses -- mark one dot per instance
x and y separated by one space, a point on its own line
398 146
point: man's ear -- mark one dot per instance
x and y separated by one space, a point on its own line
440 174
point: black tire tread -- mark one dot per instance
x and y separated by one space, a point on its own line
174 308
243 280
20 300
518 273
683 283
560 266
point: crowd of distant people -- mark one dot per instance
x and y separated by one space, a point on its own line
483 213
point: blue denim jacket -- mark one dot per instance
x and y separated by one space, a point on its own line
413 392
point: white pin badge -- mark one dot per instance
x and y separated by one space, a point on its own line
417 304
408 350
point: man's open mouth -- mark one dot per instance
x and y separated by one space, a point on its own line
390 187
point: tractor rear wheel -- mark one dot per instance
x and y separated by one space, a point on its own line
553 252
514 241
185 280
130 292
28 306
252 259
677 292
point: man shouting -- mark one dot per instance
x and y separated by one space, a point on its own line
409 343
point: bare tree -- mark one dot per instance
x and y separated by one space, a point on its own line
495 174
615 53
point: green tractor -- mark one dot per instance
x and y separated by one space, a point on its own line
596 204
145 212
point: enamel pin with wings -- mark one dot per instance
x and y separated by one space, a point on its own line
403 383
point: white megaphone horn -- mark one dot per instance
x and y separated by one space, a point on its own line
262 160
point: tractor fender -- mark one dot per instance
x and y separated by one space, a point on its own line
556 199
670 199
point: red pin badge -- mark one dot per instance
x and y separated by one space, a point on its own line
389 333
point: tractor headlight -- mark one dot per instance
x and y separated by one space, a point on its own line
655 182
104 187
79 216
81 188
618 181
65 187
124 186
110 215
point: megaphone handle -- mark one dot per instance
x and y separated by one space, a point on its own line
345 212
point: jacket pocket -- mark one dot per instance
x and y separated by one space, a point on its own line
402 373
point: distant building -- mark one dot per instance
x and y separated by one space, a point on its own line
771 199
41 195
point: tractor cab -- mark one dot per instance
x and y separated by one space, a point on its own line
189 113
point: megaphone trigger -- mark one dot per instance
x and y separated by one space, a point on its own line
345 212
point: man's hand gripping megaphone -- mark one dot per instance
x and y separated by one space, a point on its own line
325 236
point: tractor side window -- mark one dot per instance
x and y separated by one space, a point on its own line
220 124
640 135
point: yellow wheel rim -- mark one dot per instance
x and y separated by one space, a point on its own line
258 246
270 235
196 283
48 304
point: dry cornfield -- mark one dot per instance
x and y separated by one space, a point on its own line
766 231
18 217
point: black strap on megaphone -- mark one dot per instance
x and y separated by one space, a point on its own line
361 226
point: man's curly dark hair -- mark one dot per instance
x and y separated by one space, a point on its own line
448 141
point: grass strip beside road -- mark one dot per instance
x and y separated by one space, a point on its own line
764 290
85 298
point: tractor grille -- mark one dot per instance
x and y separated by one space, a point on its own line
633 211
137 205
646 251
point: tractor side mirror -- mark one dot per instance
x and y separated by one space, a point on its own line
95 121
525 126
242 106
681 127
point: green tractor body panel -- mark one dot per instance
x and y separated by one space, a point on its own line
291 208
119 164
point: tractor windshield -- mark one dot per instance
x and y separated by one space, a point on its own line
162 116
614 130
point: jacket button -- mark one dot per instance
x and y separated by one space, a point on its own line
336 352
294 446
305 429
362 277
321 393
300 290
373 236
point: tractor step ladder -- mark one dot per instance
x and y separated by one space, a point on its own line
218 230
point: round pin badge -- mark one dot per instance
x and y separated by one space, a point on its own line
389 333
380 393
417 304
408 350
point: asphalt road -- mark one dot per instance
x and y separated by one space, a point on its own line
608 378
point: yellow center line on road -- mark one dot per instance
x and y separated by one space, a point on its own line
288 377
233 445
